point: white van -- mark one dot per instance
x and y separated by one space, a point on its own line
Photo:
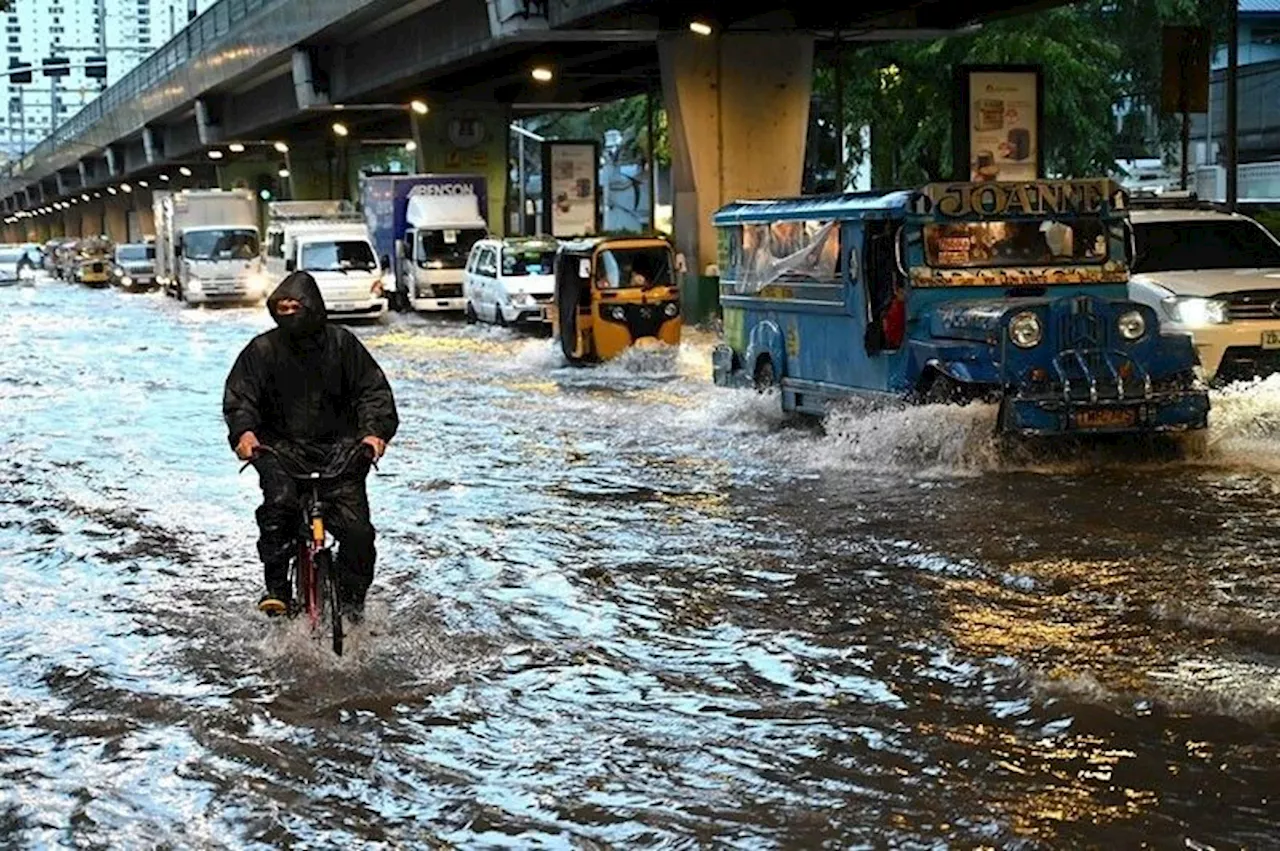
332 244
510 281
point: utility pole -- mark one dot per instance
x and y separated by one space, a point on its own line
1233 105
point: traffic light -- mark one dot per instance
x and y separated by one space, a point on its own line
56 66
95 67
266 187
19 76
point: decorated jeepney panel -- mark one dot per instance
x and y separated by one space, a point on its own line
1019 234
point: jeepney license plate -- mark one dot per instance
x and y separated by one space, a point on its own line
1271 339
1105 417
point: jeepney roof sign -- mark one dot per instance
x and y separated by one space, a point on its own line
1037 198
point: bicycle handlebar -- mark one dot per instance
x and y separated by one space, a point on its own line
360 449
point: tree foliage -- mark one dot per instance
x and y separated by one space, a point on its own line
1101 59
629 116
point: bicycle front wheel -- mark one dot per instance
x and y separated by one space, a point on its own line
331 594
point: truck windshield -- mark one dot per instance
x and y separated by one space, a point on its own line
633 267
965 245
135 253
338 256
516 263
1184 246
447 249
220 245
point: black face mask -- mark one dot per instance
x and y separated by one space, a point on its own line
298 326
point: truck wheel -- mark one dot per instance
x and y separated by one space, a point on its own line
765 377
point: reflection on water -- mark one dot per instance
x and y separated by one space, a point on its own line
620 607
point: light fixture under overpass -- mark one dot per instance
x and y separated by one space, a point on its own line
184 171
700 27
419 107
215 154
236 148
542 74
281 147
340 129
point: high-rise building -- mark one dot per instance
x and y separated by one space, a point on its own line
124 31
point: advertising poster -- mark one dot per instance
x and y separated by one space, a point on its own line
1003 126
571 196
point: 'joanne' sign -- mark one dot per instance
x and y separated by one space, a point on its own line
1036 198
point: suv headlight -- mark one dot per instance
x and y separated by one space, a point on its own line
1131 324
1195 311
194 284
1025 330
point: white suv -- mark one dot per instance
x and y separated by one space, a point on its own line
510 281
1215 276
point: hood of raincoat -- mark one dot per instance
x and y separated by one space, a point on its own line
311 319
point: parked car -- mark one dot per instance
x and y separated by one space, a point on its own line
510 281
1215 276
135 266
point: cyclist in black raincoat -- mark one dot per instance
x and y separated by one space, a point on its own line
311 391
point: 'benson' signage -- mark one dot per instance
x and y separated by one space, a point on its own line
1032 198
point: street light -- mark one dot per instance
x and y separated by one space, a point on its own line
418 107
700 27
236 148
542 75
340 129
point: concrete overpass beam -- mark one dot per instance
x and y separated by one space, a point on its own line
738 107
84 173
310 88
112 160
208 129
150 150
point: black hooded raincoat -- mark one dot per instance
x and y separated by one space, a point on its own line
308 389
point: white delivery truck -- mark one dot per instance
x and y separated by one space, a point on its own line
425 225
207 245
328 240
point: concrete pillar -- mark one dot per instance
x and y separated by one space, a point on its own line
469 138
738 110
146 213
91 223
71 222
116 220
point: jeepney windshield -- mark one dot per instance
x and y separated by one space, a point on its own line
633 267
965 245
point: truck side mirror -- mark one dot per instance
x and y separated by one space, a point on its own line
290 265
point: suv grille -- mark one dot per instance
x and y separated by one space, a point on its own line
1254 304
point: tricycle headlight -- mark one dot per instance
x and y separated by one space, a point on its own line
1025 330
1131 324
671 309
1196 311
618 313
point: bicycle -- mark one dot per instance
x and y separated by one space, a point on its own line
317 590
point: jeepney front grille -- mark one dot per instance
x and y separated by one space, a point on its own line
1078 327
1254 304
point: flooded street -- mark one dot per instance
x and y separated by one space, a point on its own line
621 607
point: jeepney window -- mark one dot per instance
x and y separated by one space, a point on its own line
1016 243
786 251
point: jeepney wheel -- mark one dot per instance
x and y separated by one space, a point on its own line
470 313
765 378
943 390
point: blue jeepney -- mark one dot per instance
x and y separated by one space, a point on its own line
1014 293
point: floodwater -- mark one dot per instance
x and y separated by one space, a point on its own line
621 607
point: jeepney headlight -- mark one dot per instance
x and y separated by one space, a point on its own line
1196 311
1025 330
671 309
618 313
1131 324
194 284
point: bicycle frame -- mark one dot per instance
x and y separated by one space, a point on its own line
307 552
